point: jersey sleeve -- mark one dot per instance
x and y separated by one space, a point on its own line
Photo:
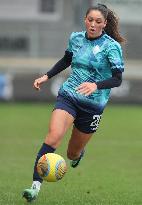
114 53
69 47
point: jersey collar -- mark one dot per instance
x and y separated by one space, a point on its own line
92 39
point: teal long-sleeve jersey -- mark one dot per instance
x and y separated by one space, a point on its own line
92 61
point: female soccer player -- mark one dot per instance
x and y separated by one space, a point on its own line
95 56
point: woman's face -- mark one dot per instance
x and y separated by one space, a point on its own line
95 23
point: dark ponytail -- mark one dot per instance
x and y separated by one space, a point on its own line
112 27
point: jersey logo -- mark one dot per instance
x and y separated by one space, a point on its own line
96 50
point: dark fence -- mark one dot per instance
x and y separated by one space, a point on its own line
19 87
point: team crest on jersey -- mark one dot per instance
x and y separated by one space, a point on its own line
96 49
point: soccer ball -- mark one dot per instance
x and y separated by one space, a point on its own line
51 167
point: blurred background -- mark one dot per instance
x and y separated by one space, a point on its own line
34 35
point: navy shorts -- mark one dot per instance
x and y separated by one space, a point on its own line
86 120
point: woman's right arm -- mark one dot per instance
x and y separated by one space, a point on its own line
61 65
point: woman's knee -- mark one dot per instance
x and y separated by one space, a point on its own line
53 138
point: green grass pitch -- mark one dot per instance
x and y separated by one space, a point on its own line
109 174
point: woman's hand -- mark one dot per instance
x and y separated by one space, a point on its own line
39 81
86 88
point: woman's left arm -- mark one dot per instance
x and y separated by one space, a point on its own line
88 88
114 81
114 54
